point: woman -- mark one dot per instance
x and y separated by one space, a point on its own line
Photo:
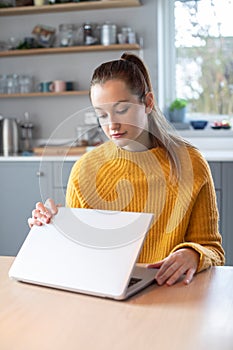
145 167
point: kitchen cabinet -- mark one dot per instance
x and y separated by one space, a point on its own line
227 205
222 176
21 186
61 172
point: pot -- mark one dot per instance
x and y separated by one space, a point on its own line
9 137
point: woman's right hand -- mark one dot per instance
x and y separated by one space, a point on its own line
43 213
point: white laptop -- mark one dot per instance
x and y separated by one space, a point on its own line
87 251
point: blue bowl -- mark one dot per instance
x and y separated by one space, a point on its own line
199 124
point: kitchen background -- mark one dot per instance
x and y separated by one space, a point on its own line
46 113
26 180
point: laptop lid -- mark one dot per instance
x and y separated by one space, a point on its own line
83 250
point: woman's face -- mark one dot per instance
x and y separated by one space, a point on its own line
122 117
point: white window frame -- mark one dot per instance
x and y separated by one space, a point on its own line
166 53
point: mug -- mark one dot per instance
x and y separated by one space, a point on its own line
69 86
45 86
58 86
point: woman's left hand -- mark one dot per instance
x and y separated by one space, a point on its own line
182 262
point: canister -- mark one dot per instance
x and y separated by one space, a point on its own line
108 34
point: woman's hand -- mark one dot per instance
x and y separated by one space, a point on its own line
182 262
43 213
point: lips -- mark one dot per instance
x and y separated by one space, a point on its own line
118 135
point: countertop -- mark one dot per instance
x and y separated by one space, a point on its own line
210 155
219 149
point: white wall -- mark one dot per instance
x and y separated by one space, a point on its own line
48 113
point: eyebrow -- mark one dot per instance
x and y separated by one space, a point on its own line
114 105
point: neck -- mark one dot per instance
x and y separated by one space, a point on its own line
139 145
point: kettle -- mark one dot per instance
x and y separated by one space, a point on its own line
9 137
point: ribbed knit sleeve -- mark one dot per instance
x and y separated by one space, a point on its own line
185 212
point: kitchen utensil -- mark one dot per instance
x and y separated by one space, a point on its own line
12 84
108 34
58 86
26 134
45 86
199 124
9 137
89 34
44 35
66 34
25 84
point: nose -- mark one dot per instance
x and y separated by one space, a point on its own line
114 126
113 123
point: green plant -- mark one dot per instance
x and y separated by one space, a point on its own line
178 103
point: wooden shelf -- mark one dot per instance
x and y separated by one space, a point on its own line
80 6
70 49
46 94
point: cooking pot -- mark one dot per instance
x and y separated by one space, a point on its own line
9 137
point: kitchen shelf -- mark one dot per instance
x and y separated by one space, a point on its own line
70 49
46 94
88 5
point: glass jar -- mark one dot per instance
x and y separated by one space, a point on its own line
3 83
12 84
25 84
89 34
66 34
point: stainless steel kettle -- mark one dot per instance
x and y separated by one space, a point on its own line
9 137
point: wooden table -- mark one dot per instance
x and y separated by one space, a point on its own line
194 317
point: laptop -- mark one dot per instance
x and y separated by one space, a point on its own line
87 251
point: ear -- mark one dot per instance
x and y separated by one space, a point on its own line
149 102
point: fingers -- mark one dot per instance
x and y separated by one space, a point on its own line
32 222
180 264
43 213
51 206
189 276
156 265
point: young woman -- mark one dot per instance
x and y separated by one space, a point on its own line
145 167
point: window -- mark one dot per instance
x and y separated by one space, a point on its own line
204 55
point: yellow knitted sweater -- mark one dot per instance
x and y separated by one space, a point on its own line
185 212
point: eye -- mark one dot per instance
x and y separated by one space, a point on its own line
122 110
102 116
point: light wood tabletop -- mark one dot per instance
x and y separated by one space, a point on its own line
194 317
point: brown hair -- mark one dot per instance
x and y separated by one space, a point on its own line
131 69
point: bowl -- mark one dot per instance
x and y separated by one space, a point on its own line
199 124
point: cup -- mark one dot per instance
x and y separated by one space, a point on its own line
25 84
12 84
131 38
45 86
38 2
3 84
121 38
58 86
69 86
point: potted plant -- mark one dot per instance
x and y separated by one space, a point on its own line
177 110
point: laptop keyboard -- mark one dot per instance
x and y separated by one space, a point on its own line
133 281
